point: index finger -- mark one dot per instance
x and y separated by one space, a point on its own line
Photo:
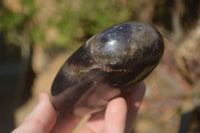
133 100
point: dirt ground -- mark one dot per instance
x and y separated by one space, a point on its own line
42 83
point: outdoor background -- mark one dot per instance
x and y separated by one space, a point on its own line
37 36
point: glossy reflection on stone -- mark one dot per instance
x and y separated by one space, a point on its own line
106 66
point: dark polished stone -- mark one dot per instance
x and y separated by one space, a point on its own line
107 65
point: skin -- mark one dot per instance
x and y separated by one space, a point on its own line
44 119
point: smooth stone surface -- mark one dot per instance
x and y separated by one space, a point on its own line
105 67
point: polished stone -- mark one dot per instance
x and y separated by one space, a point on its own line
107 65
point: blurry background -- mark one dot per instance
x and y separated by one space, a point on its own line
37 36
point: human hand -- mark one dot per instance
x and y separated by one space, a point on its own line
117 118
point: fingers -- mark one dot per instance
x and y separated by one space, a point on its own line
41 119
120 113
115 116
133 100
66 123
119 116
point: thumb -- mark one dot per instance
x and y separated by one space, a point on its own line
41 119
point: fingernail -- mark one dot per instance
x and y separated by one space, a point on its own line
137 104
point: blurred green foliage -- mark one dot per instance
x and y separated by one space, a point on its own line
60 23
66 24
